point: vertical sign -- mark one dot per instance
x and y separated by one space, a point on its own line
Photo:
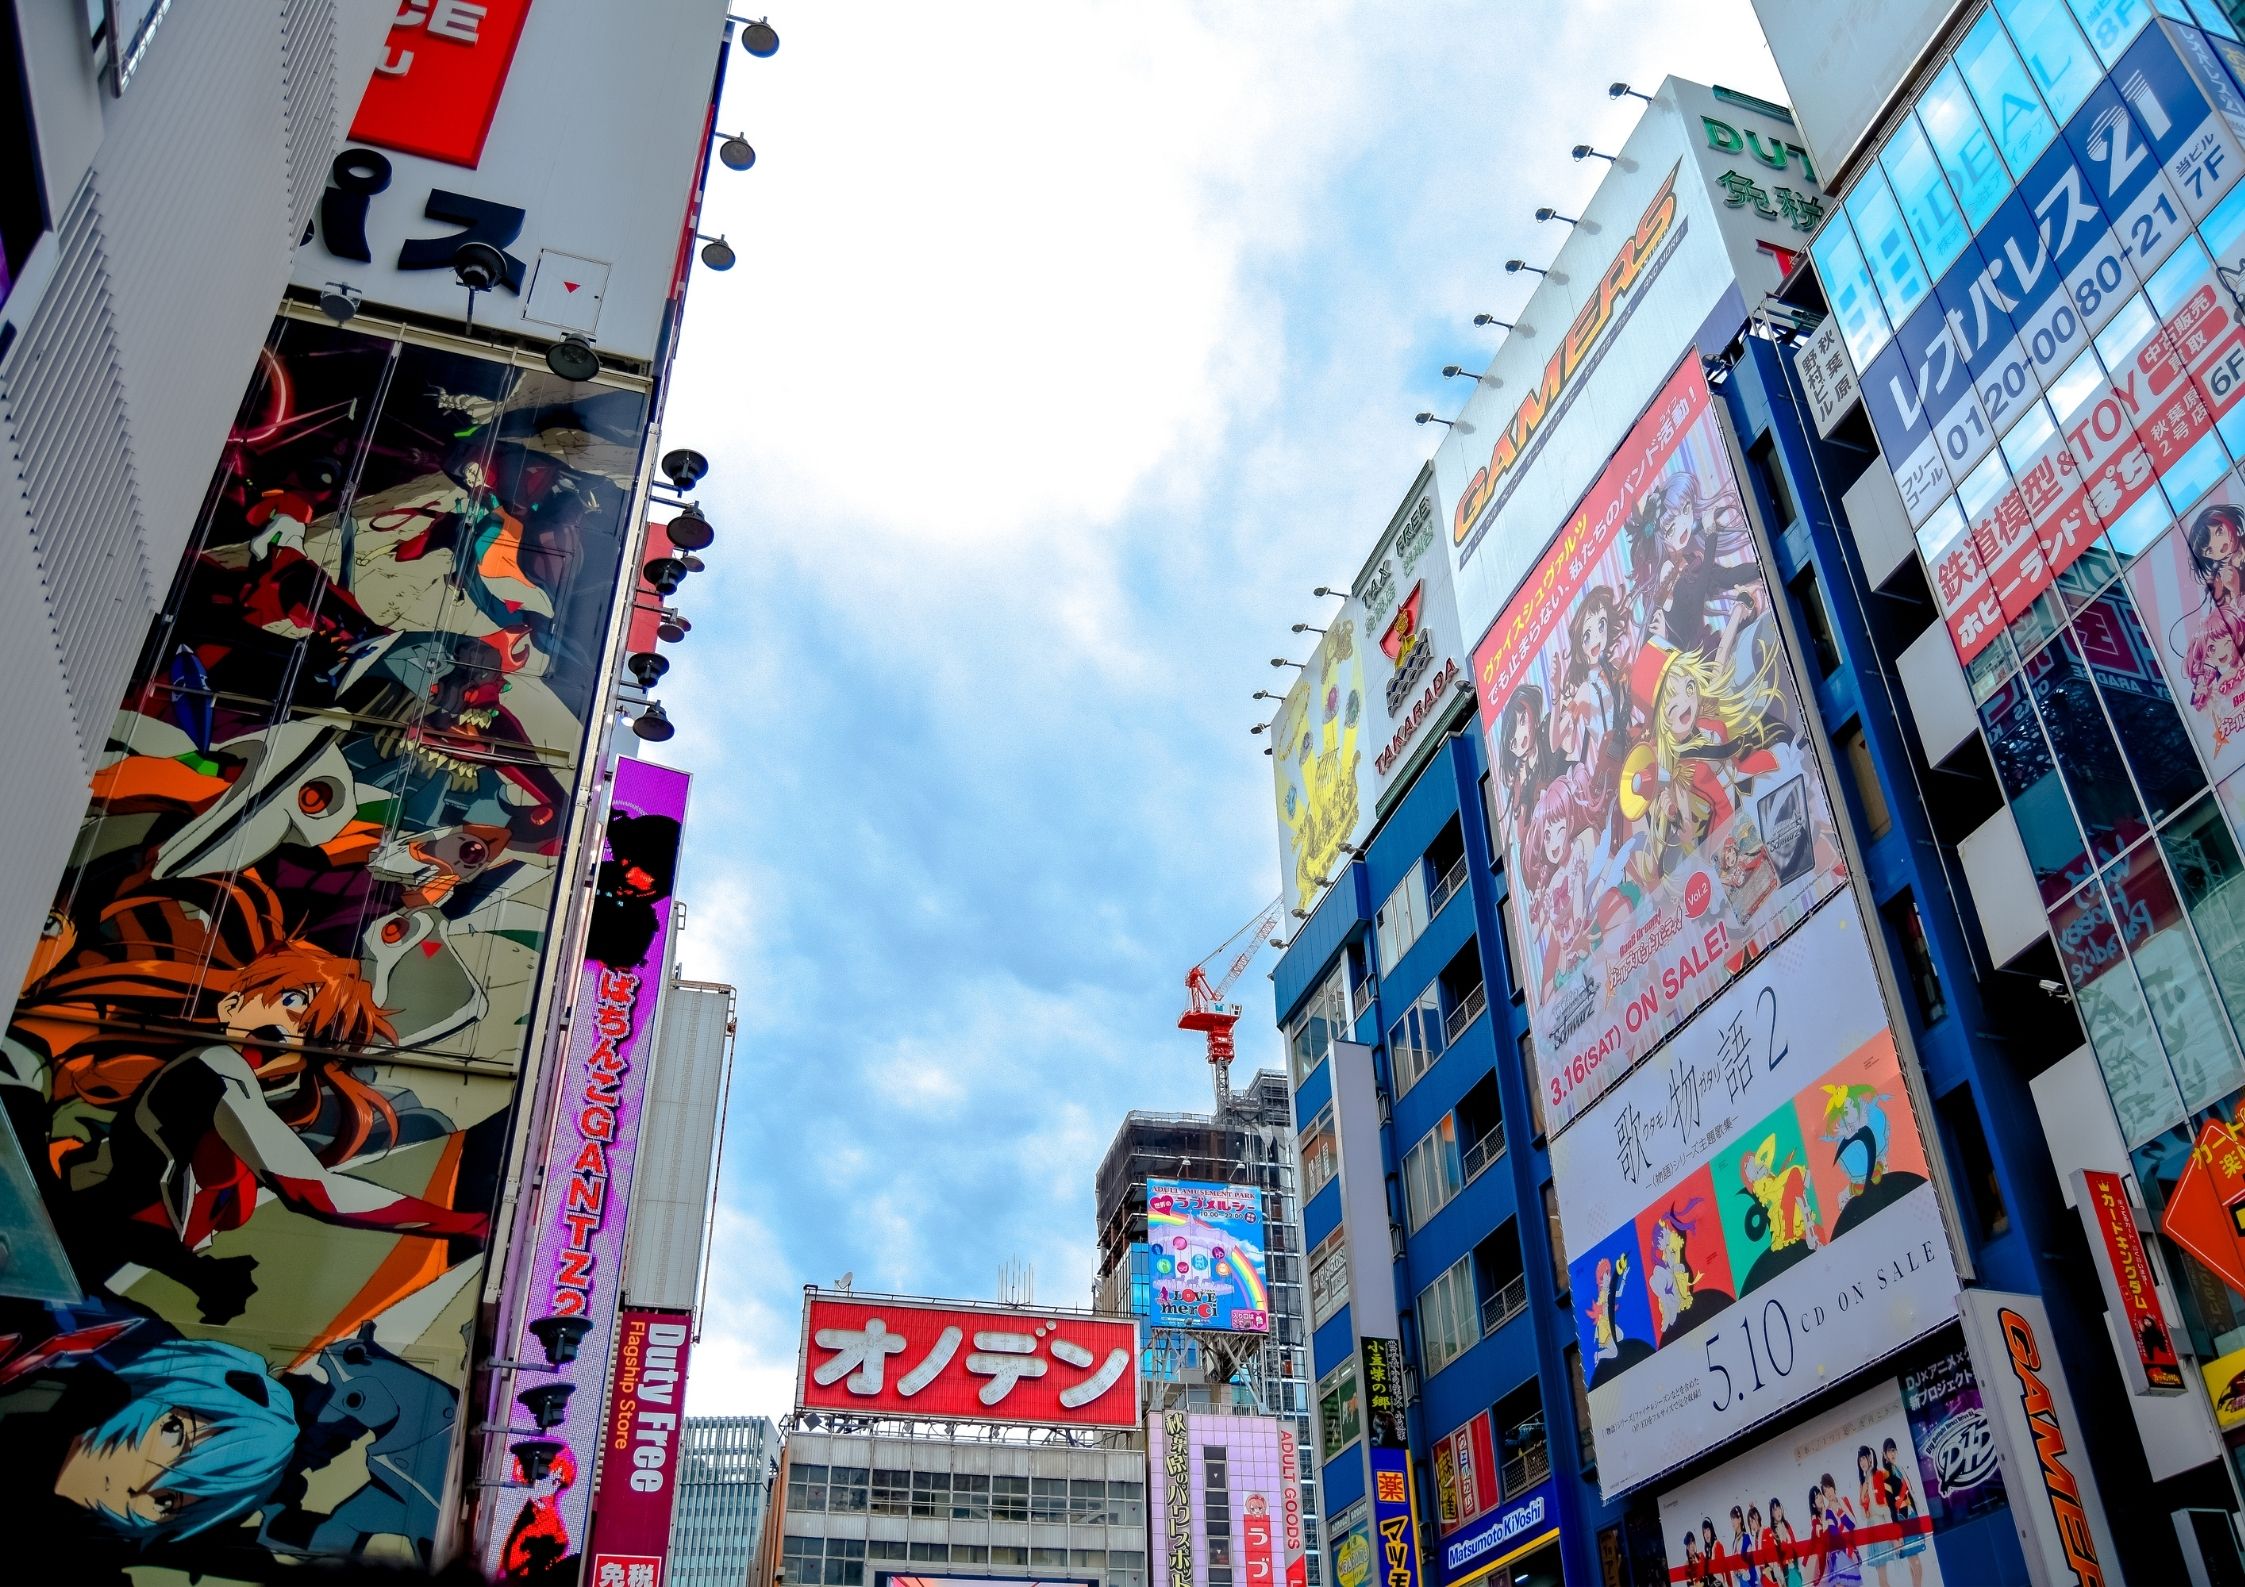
2054 1503
631 1507
1173 1475
2124 1268
1827 376
576 1270
1395 1539
443 68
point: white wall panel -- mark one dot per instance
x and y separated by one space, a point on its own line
1939 700
671 1195
2003 888
1880 524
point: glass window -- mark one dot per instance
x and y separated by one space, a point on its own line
1417 1039
1887 247
2112 25
1322 1022
2210 874
1449 1317
2210 16
2008 103
892 1492
2183 1005
2030 782
1927 204
2144 720
1048 1499
1877 819
1398 922
845 1489
2082 744
1126 1504
1087 1501
1968 155
1432 1172
1848 289
2057 58
1009 1498
1340 1409
1321 1153
806 1487
1329 1276
2111 1008
1917 957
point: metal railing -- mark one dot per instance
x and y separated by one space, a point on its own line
1469 1009
1452 883
1530 1466
1509 1301
1483 1152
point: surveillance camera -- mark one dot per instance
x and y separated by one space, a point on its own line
2054 988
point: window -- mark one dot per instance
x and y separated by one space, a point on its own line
1009 1499
1533 1081
1048 1499
806 1487
833 1561
1968 156
1329 1276
1917 958
970 1496
1928 207
1340 1409
1398 922
1126 1567
892 1492
929 1553
1975 1164
1321 1153
1878 820
1463 995
1449 1316
2056 57
1480 1117
845 1489
931 1494
1895 269
1126 1505
1489 820
1008 1553
1432 1172
1416 1040
1445 867
1511 934
1323 1021
1816 621
2008 103
1498 1277
2210 874
1762 458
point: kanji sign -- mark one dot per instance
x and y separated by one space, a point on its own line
2199 1215
967 1363
2125 1269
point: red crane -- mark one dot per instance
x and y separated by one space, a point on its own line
1209 1013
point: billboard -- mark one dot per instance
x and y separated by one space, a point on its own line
576 1262
966 1362
1836 1498
1414 656
1465 1474
1321 762
1749 1217
1228 1493
1661 813
1526 1521
457 140
631 1508
1395 1501
1956 1446
1205 1252
265 1058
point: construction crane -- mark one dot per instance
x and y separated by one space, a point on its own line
1209 1013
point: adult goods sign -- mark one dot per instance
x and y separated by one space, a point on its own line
1660 811
1750 1217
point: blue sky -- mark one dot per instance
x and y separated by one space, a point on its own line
1071 345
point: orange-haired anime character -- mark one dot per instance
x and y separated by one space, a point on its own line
201 1132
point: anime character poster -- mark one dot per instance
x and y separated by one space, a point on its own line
2189 587
1321 763
1749 1216
1839 1500
1957 1456
1658 805
264 1058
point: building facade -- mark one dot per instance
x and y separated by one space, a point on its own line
728 1465
1250 1143
1543 1195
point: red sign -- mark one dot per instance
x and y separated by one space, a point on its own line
631 1508
442 71
2130 1286
967 1363
2200 1215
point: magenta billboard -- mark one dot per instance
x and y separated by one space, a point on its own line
575 1281
1226 1492
638 1486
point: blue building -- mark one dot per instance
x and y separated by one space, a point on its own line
1430 1211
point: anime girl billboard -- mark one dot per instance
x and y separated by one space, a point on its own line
2189 586
264 1058
1656 800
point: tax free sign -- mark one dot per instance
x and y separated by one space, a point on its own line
1749 1215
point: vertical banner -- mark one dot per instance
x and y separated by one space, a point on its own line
2148 1356
1395 1530
631 1506
1661 814
1322 762
576 1271
1956 1449
1170 1455
2039 1438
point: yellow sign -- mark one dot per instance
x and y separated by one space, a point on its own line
1318 763
2225 1386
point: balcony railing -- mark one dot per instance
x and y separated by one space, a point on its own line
1509 1301
1470 1008
1483 1152
1452 883
1525 1469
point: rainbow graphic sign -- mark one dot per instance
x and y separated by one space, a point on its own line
1206 1245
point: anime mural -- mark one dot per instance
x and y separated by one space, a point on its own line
1658 806
2189 587
1321 763
264 1058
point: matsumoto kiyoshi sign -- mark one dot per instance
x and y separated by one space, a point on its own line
1529 1519
1749 1216
1660 813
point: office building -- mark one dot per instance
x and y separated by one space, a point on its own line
727 1467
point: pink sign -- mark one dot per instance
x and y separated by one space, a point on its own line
639 1465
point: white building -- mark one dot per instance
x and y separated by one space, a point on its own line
150 218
